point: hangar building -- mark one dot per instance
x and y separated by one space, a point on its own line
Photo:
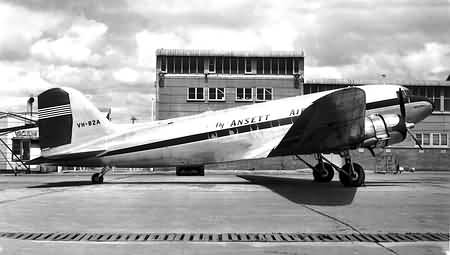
194 81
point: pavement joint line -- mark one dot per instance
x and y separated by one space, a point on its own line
377 238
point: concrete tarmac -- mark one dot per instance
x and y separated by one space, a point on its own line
257 202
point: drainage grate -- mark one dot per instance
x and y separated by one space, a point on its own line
227 237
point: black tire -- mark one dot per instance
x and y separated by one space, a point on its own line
323 175
97 178
352 181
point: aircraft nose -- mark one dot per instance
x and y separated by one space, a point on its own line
423 107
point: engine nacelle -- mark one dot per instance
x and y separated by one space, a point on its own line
383 130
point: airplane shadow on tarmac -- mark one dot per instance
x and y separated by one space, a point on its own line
303 191
300 191
87 183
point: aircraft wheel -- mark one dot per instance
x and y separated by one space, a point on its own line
356 180
324 174
97 178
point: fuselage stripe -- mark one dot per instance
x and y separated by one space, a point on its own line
205 136
230 131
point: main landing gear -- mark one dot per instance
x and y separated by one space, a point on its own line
97 178
350 175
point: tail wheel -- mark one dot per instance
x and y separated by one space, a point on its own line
323 174
352 180
97 178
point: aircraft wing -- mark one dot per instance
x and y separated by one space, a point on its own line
333 123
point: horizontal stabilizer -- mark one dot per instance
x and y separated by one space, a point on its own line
333 123
12 129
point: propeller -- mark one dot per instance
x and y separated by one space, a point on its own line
401 102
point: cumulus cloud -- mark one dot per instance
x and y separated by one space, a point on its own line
106 49
19 28
77 45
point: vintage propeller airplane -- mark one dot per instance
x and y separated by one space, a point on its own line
74 133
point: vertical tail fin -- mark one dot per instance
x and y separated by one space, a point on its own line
67 117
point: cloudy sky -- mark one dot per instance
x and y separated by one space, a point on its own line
106 48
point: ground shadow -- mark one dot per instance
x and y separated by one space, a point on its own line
85 183
303 191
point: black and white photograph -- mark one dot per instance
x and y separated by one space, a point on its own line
225 127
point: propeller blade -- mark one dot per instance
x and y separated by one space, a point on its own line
401 102
414 138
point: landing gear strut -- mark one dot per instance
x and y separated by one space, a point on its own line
352 174
323 171
97 178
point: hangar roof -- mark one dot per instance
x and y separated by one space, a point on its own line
385 81
228 53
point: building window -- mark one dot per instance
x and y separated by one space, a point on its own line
274 65
226 65
170 65
248 65
193 65
241 66
426 139
296 66
282 66
20 149
212 65
234 65
195 94
419 138
432 93
216 94
444 139
200 64
244 94
267 64
259 66
185 65
163 64
432 139
446 99
436 139
289 64
177 64
219 65
264 94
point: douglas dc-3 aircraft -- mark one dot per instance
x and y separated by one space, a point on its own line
74 133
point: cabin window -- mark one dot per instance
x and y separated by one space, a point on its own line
244 94
264 94
195 94
264 125
216 94
285 121
233 131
